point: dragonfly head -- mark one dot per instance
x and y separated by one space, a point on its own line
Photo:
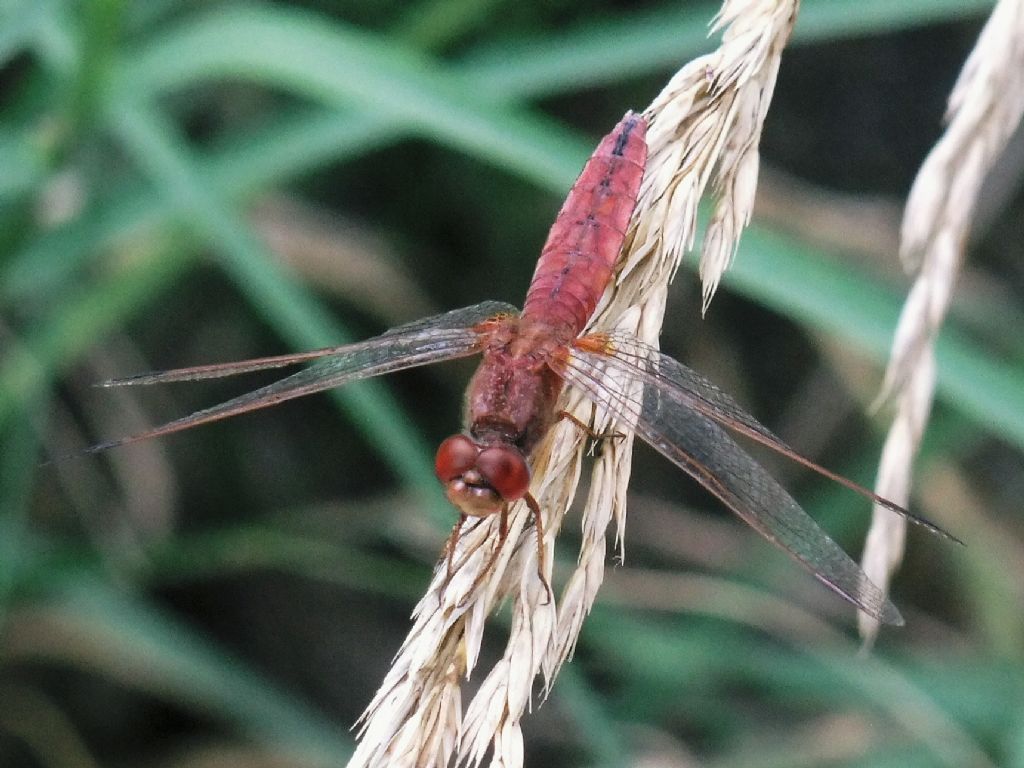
481 479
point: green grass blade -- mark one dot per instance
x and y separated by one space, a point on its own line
23 164
598 53
340 66
833 19
436 23
20 23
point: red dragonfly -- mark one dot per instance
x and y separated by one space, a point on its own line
529 356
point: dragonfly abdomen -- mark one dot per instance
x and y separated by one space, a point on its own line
584 243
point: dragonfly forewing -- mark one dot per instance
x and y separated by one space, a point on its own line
467 317
443 337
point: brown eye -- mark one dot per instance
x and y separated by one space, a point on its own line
455 456
504 469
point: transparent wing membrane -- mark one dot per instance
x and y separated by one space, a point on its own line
463 318
443 337
637 360
672 408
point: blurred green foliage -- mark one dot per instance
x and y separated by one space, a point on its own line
209 598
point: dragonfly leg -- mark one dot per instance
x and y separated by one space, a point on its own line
597 437
502 535
541 555
449 550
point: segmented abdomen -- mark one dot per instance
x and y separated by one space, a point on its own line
576 263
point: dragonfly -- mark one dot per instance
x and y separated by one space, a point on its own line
530 356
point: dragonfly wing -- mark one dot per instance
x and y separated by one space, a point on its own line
638 360
457 318
666 417
444 337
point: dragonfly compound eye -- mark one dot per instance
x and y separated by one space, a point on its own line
455 456
504 469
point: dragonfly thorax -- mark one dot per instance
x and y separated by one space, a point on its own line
480 479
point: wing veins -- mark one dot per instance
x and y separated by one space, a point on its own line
458 318
736 479
443 337
684 385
